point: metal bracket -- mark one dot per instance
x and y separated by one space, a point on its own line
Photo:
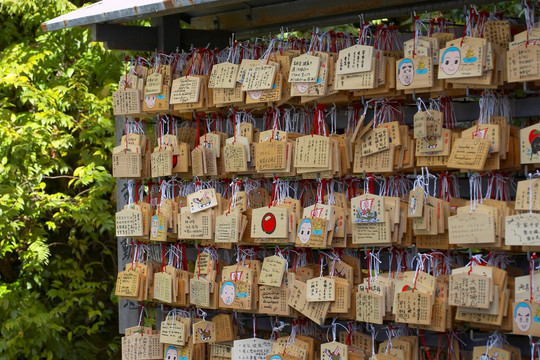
469 95
529 92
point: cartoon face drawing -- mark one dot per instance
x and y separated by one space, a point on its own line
171 353
304 231
255 94
523 316
205 334
333 355
405 72
150 100
450 61
302 87
227 293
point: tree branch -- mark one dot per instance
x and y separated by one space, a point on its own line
60 177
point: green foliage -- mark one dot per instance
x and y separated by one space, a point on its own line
57 246
512 9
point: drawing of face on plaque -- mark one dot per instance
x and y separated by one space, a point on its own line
406 72
461 61
227 292
450 60
281 357
526 318
235 295
150 100
255 95
312 232
302 87
304 230
414 73
171 353
523 316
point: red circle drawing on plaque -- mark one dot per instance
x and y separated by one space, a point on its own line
268 223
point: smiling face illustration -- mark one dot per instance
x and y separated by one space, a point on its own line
405 72
304 231
255 95
523 316
451 59
171 353
150 100
302 87
228 293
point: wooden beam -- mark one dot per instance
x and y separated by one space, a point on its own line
201 38
165 35
124 37
122 10
171 37
168 32
305 14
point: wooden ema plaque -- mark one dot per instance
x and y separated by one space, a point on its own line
204 332
127 102
367 209
414 73
269 222
127 164
316 311
259 77
172 331
529 140
526 318
321 289
469 154
253 348
304 69
235 295
334 351
223 76
129 223
273 300
272 271
312 232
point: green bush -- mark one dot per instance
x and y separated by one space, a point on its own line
57 244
